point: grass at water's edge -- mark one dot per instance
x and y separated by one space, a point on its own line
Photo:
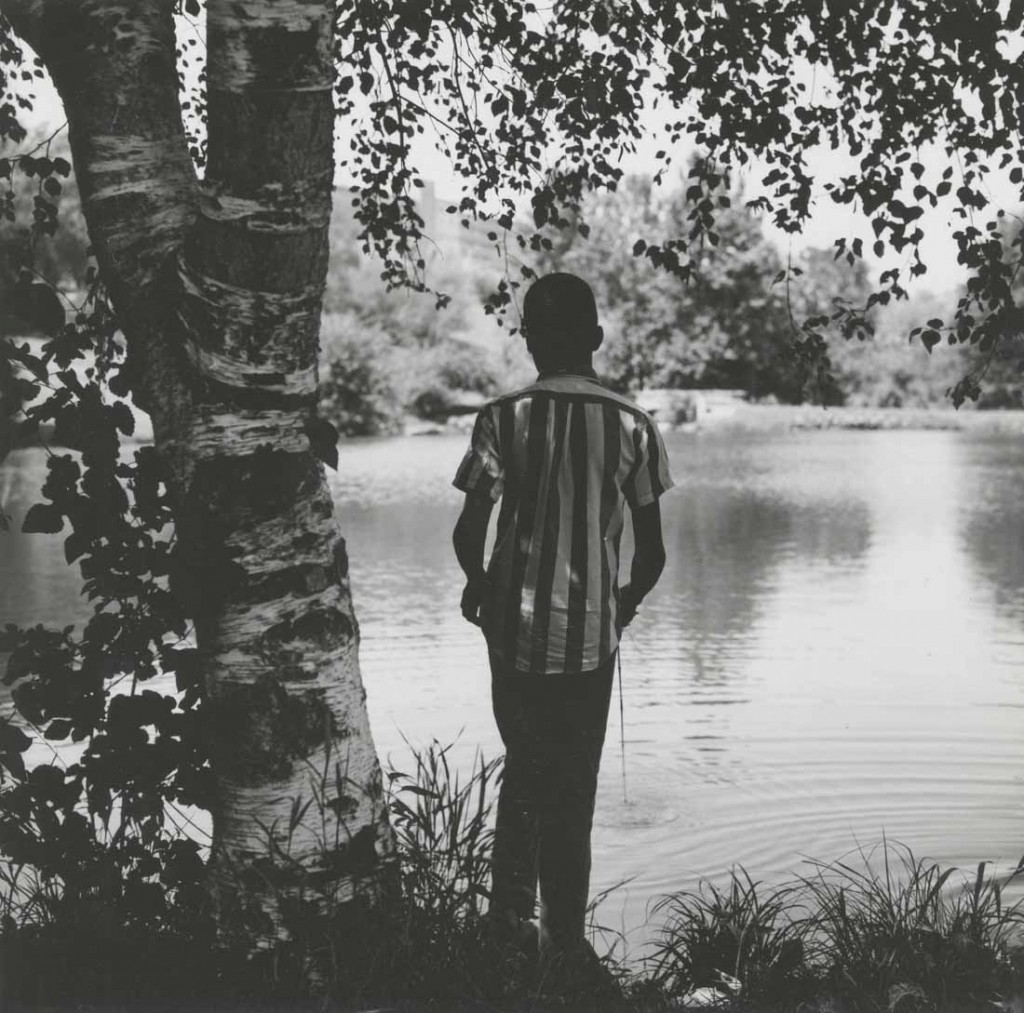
877 930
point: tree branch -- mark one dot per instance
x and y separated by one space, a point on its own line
114 68
254 276
26 17
113 65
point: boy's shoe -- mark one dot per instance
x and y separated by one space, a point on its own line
510 948
579 975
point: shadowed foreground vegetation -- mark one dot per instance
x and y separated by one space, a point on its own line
878 930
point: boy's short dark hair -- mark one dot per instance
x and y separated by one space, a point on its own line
559 306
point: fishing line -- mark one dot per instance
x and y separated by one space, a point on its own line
622 722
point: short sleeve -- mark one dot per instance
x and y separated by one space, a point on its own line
649 477
481 470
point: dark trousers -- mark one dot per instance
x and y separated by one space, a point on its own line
553 728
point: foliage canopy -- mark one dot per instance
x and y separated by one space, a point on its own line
537 107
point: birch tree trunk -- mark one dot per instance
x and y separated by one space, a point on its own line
218 290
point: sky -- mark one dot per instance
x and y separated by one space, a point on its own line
829 221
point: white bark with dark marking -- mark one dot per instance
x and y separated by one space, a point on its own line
141 171
218 288
239 69
255 333
248 432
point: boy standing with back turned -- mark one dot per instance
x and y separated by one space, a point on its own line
563 456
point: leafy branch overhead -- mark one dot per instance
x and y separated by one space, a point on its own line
535 107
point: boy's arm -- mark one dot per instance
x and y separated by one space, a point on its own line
648 560
469 537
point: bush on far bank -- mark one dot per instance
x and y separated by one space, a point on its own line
356 390
369 383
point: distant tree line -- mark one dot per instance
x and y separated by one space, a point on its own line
732 325
388 355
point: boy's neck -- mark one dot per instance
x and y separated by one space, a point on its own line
583 367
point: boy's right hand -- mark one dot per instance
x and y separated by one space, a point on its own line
628 604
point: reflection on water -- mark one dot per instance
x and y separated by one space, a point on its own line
836 648
992 529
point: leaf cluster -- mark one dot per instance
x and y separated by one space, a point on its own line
115 801
15 77
42 236
497 88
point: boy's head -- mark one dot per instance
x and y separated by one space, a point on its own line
560 321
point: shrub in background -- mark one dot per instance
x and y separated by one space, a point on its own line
465 367
357 392
448 375
368 382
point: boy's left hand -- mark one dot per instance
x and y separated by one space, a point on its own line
472 597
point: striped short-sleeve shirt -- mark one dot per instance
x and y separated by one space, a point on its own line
563 455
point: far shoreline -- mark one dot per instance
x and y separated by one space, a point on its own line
736 418
742 416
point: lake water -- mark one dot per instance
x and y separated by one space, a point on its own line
835 650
